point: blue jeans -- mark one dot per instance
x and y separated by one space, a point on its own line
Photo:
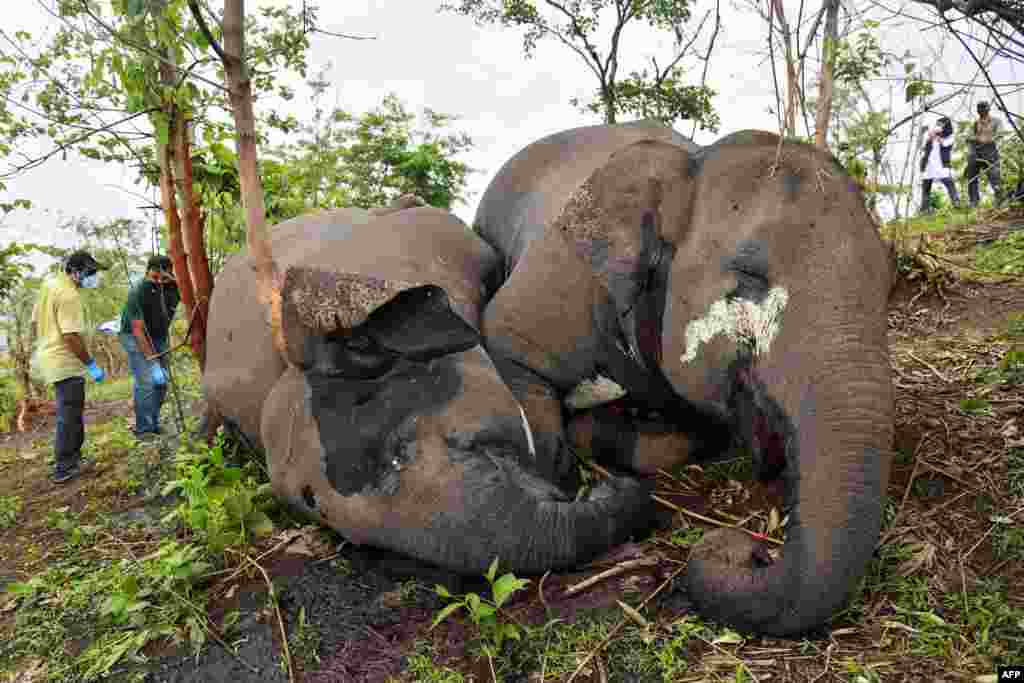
147 397
67 446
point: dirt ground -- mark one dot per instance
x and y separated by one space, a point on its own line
369 615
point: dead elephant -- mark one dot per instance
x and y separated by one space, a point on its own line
745 285
389 421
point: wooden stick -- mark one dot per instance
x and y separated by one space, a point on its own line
618 627
620 568
280 621
760 537
930 367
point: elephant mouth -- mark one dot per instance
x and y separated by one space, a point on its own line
761 424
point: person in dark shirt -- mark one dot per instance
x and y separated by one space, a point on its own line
145 328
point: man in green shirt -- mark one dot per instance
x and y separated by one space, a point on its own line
60 356
145 328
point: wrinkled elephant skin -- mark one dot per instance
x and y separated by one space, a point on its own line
741 284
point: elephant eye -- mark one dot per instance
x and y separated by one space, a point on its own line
352 358
359 343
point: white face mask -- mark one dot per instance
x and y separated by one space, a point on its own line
91 281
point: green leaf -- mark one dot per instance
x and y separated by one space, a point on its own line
135 8
728 636
115 604
492 570
19 588
239 504
445 612
442 591
259 523
482 611
507 586
975 406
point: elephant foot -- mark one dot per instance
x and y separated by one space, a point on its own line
730 548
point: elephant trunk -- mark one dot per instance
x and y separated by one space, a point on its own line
528 524
837 471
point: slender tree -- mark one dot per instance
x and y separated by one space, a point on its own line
659 92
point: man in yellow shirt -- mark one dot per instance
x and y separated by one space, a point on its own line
60 356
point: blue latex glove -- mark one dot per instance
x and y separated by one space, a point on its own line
158 374
96 371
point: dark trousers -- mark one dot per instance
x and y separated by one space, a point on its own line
984 159
147 397
67 447
926 193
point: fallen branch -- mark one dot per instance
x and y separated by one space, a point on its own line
280 620
930 367
708 520
731 656
620 568
618 627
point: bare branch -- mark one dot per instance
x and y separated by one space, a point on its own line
707 55
995 90
346 36
197 14
578 30
62 146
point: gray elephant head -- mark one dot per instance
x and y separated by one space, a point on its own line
389 422
776 314
745 279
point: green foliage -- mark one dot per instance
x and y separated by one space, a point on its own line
660 93
120 607
12 268
421 665
95 82
304 642
366 160
667 99
484 614
10 506
859 58
1004 256
8 402
976 406
223 505
686 538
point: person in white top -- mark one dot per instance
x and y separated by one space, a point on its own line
935 163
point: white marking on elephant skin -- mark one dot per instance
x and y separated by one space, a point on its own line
594 392
529 432
741 320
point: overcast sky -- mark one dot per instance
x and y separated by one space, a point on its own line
444 61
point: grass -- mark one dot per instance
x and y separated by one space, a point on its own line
111 389
1004 256
10 506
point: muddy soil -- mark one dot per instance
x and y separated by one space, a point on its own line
354 604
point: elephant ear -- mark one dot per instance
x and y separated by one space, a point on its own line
419 324
402 317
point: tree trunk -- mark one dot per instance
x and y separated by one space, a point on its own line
198 264
268 286
792 85
826 82
608 99
165 154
